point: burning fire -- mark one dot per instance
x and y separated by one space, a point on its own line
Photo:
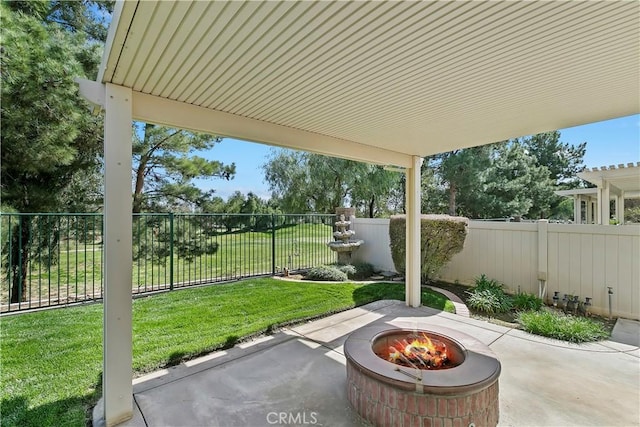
421 353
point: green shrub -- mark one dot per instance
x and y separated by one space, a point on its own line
632 215
489 297
526 302
484 283
488 301
364 270
442 237
326 273
484 301
557 325
347 269
359 270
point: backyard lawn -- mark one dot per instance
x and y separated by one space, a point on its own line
76 274
51 361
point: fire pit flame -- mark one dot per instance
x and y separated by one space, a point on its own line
421 352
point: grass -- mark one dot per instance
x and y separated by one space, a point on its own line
52 360
79 271
554 324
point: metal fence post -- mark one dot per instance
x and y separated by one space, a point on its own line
171 251
19 262
273 244
10 260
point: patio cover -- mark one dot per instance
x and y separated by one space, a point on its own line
611 183
380 82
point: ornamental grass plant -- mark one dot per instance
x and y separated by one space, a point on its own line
555 324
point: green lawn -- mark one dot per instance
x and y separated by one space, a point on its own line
78 270
51 360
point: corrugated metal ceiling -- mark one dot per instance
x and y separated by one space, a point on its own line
415 77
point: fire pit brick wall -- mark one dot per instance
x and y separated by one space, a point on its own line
383 405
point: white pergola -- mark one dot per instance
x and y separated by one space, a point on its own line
611 183
378 82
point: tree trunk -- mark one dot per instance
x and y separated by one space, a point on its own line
372 204
137 194
142 168
452 199
20 259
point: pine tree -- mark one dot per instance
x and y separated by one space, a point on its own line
48 135
563 161
165 167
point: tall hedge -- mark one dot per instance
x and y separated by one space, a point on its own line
442 237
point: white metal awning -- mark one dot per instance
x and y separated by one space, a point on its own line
408 78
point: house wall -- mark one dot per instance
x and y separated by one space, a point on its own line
580 260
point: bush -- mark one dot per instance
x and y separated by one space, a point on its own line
357 270
442 237
489 297
527 302
484 283
489 302
364 270
326 273
347 269
557 325
485 301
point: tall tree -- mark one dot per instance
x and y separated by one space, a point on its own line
459 172
165 167
432 189
511 184
306 182
48 135
474 181
47 131
288 180
372 193
563 161
87 17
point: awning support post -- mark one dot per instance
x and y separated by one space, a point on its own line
412 262
117 388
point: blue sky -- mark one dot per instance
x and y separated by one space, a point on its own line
608 143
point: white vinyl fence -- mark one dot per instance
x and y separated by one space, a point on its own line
375 250
581 260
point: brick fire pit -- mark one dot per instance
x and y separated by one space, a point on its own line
386 394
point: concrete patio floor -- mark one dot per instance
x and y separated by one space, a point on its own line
298 377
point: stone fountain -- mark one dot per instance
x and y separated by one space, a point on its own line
344 245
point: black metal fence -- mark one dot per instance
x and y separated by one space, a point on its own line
55 259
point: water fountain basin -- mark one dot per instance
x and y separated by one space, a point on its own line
340 246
